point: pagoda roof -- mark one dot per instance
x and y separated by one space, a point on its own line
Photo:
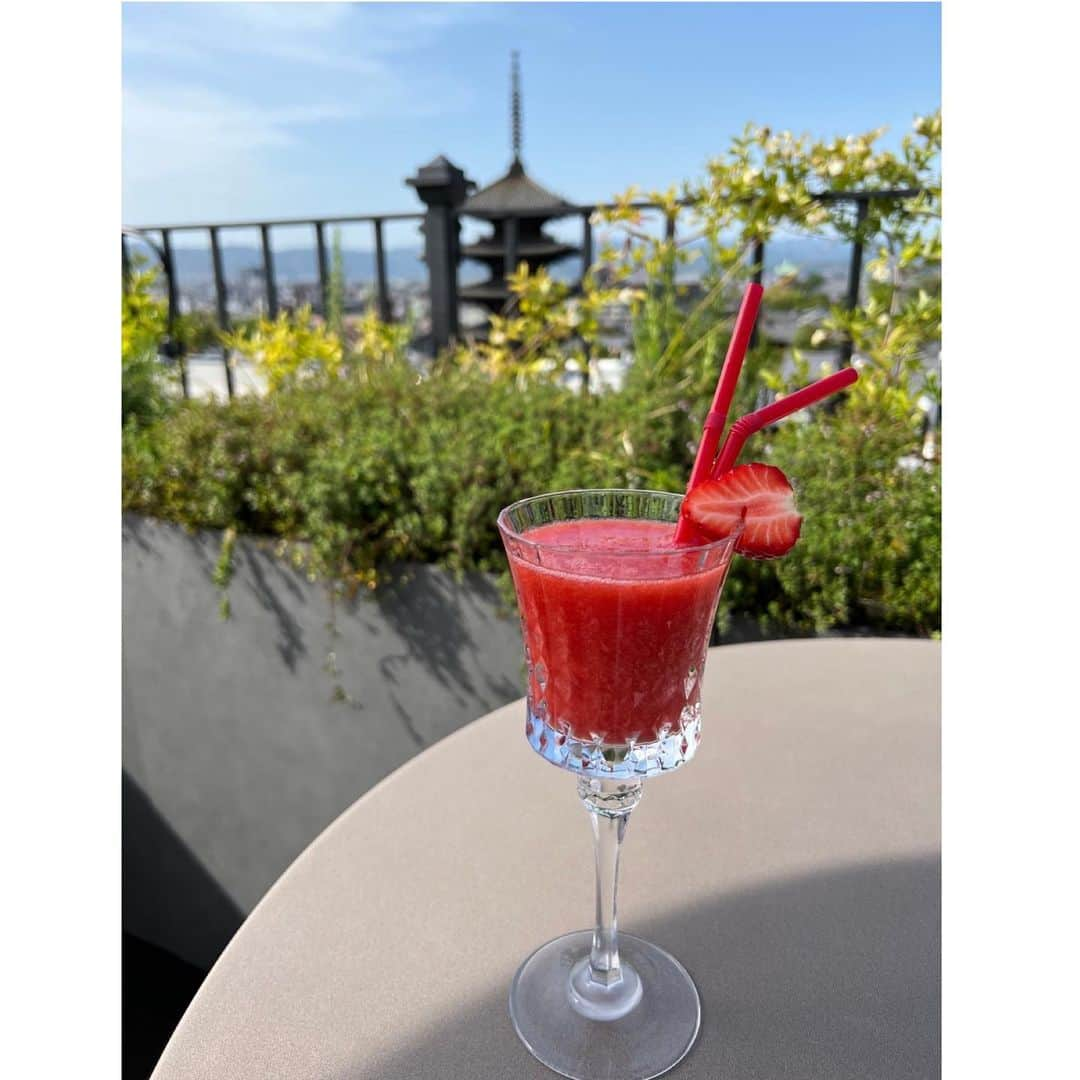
516 195
485 290
493 249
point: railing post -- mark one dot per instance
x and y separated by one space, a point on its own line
758 279
381 290
125 261
175 347
759 261
442 188
268 272
851 301
222 297
324 282
586 264
586 243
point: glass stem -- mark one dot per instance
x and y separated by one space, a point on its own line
609 803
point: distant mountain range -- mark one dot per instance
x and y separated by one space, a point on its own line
193 266
295 265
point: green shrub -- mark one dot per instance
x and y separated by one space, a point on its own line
144 384
377 471
869 554
373 474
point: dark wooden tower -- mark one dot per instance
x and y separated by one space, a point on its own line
517 208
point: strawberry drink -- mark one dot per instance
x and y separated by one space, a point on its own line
616 616
616 621
642 619
617 592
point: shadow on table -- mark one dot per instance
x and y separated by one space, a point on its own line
832 976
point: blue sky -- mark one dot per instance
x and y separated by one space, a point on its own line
251 110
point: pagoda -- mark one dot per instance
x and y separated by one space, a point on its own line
517 208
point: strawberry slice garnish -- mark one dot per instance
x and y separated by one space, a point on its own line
763 494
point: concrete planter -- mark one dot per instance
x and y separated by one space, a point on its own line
237 752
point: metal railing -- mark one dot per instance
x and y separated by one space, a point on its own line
159 238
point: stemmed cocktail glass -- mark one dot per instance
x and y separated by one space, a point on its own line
616 621
617 592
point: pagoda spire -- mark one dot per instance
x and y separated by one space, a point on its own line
515 106
517 208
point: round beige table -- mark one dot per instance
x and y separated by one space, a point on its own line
793 867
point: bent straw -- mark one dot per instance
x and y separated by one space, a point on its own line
721 403
745 426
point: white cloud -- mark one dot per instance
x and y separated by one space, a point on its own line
189 127
176 142
188 144
348 37
290 18
191 153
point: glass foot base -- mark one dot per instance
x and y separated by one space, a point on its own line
654 1036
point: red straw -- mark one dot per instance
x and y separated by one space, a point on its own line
745 426
725 387
721 403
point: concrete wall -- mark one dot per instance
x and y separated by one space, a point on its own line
236 753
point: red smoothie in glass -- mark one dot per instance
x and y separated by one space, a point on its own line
616 622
